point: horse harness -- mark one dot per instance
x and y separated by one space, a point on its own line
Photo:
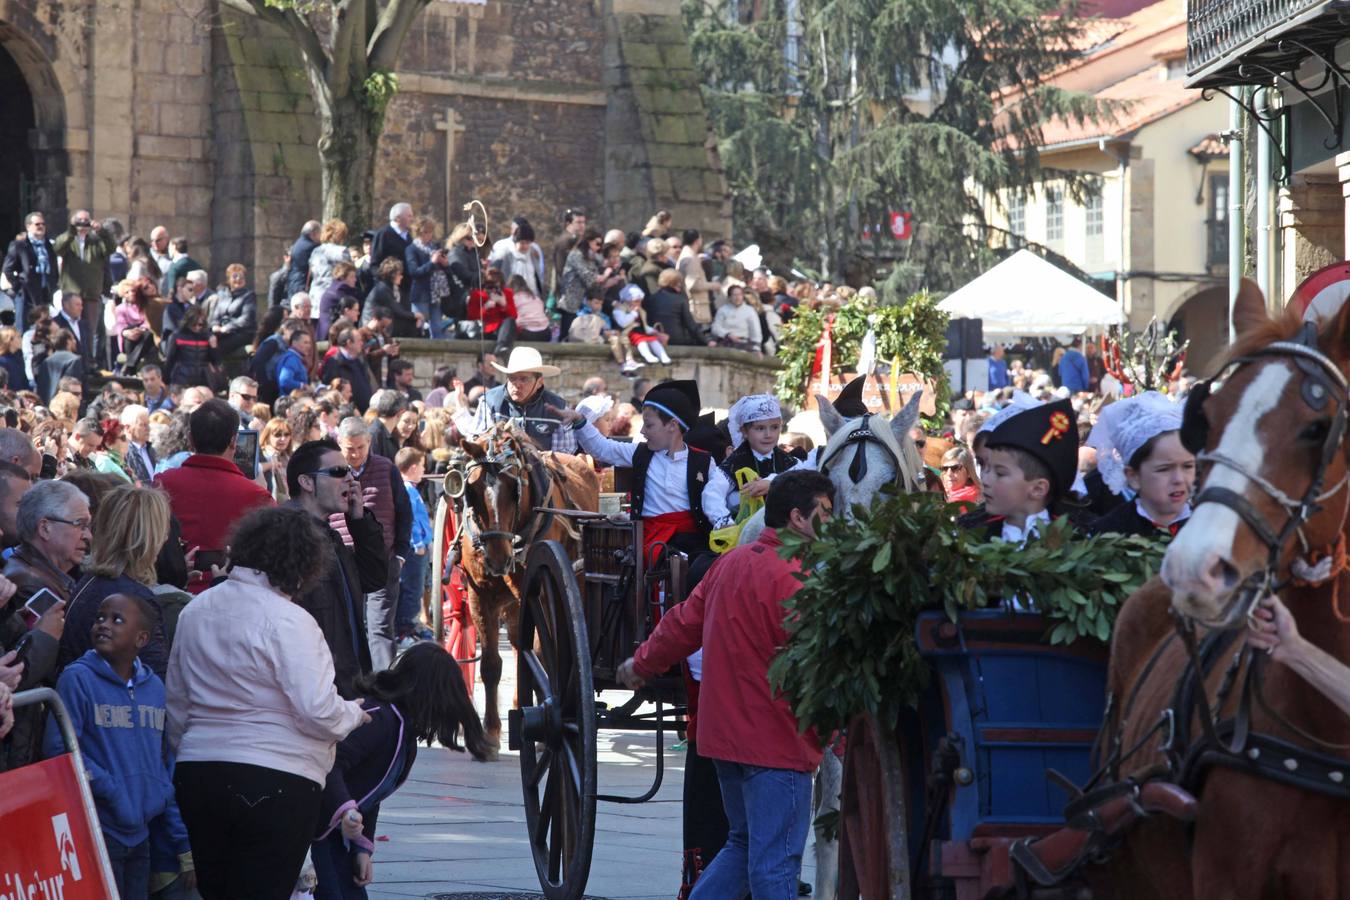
862 435
527 469
1228 742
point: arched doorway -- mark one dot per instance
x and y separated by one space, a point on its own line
1203 320
34 162
18 121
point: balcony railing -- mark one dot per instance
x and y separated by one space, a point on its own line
1238 31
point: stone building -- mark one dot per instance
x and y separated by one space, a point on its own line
188 114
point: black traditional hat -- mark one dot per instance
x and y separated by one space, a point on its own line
678 399
706 436
1049 433
849 403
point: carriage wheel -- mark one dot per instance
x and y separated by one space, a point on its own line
873 832
439 548
557 719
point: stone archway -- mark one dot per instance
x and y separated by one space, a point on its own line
32 133
1202 318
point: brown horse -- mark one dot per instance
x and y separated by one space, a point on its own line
506 481
1272 438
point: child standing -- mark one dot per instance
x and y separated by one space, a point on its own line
116 708
411 464
628 315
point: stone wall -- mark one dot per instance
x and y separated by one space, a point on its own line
723 375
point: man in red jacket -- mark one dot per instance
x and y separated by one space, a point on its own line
764 765
208 493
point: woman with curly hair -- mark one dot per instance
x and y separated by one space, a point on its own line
421 698
131 325
253 713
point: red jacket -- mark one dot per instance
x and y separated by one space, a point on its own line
493 320
208 495
736 615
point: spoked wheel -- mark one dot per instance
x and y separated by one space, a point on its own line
556 733
873 833
439 548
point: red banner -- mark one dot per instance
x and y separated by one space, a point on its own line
50 846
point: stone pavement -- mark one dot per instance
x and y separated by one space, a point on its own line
458 826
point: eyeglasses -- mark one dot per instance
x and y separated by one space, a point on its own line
249 397
920 444
85 525
956 468
333 471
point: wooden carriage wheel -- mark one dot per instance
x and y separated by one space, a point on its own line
439 549
557 723
873 830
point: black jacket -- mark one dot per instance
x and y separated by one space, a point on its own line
381 441
1125 519
338 601
238 312
188 356
298 277
386 243
361 762
354 370
671 311
382 296
20 267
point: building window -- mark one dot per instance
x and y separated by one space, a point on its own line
1092 210
1217 224
1017 215
1054 214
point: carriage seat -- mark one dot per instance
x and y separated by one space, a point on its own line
1052 859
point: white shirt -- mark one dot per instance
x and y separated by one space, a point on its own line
1014 535
734 498
667 489
1181 516
250 680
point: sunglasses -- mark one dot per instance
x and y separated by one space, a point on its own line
333 471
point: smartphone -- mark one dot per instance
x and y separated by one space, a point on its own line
40 602
246 452
205 559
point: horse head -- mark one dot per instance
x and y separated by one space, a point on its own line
497 499
1268 434
866 453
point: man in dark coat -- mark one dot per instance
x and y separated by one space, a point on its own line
63 361
350 363
337 601
298 277
30 266
393 239
669 308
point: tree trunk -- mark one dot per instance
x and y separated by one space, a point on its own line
347 147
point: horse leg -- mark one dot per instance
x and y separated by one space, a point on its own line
829 785
485 610
511 611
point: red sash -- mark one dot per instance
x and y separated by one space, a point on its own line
664 527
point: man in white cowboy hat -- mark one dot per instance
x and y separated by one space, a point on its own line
524 399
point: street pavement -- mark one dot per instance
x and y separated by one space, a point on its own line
457 826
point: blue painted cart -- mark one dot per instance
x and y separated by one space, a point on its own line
932 806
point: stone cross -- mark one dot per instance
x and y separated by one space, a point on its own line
452 126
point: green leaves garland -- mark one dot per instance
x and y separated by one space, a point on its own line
851 644
913 328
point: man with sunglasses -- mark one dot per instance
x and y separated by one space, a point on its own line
764 764
322 484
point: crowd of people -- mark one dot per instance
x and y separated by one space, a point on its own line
244 524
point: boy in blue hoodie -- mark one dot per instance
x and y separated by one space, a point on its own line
411 464
116 707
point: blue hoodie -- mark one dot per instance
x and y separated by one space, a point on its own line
120 730
291 373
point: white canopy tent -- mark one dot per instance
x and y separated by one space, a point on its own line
1025 296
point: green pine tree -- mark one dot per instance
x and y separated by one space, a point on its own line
831 113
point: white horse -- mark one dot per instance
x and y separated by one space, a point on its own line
862 456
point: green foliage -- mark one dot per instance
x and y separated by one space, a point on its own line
851 644
927 106
376 92
912 328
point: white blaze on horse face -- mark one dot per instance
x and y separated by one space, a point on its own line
1213 528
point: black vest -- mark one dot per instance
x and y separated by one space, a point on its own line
744 458
539 424
699 464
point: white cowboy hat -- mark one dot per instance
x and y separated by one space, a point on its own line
526 359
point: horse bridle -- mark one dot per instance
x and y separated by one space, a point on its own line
1323 383
530 473
862 435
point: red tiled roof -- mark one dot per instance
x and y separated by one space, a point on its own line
1211 147
1144 98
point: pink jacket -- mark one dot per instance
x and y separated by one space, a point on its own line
128 315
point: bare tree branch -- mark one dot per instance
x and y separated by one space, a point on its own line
387 39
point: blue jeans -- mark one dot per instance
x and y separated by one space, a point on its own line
431 312
769 813
130 868
410 584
